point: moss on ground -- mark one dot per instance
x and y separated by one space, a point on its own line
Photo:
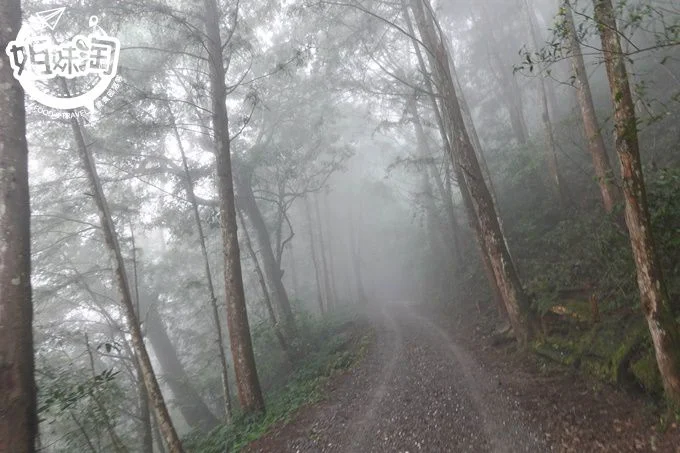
615 352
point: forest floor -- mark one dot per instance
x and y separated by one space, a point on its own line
430 386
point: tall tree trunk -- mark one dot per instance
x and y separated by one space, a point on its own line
293 271
355 251
272 270
315 262
470 174
454 161
18 420
265 294
330 302
123 285
331 255
653 294
219 338
190 404
551 154
144 413
603 170
247 382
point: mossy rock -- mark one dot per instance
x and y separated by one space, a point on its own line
646 373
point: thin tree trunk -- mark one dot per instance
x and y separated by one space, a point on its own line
265 294
191 196
603 170
19 423
144 414
470 175
654 298
293 271
330 303
123 285
314 260
272 270
355 250
118 445
247 382
551 157
331 255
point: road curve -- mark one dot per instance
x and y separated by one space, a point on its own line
416 391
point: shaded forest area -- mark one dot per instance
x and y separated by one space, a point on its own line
188 265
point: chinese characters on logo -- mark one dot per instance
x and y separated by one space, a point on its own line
79 57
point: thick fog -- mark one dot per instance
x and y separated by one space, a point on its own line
262 167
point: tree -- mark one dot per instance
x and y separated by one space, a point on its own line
247 382
654 298
470 177
272 270
18 420
553 168
596 146
122 283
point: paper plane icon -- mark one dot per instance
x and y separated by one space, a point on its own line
50 18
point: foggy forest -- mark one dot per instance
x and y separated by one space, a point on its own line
339 226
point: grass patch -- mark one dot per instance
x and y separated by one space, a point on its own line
338 345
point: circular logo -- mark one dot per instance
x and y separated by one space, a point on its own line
63 73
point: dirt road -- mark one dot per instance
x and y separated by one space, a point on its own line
416 390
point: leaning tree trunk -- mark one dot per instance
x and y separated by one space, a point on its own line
190 404
448 146
265 294
603 170
272 270
219 337
18 421
483 207
654 298
247 382
123 284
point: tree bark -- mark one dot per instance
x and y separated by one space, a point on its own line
219 337
18 420
470 175
190 404
265 294
144 414
247 382
272 270
603 170
123 285
330 302
653 294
